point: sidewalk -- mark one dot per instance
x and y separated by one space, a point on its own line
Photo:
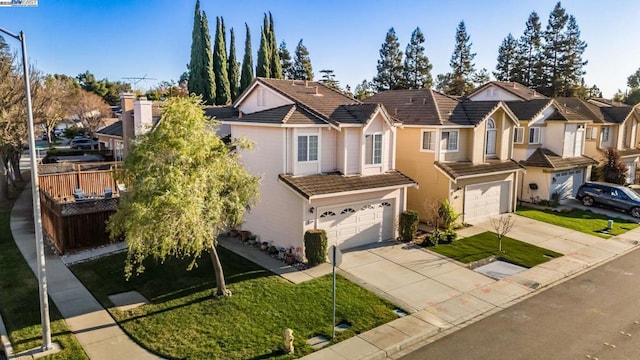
95 329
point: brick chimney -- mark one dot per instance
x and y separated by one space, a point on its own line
128 132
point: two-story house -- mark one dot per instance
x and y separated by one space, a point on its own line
458 150
326 161
549 141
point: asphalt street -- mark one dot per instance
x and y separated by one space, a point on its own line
593 316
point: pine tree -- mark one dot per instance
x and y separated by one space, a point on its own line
506 67
389 76
276 66
416 70
208 76
247 63
363 90
263 69
234 67
460 80
554 45
302 69
329 79
223 89
528 54
572 64
285 61
196 62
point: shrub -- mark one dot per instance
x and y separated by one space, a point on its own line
408 225
315 246
436 237
448 215
448 236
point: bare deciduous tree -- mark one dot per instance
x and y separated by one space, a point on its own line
502 225
91 109
53 103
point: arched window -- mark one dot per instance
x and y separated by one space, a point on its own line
367 207
327 214
347 211
490 146
385 204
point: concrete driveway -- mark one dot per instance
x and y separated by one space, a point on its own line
600 210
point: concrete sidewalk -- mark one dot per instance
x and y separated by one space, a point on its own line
443 295
95 329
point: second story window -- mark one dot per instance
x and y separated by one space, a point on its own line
590 133
308 148
373 151
449 141
518 135
534 135
605 134
429 140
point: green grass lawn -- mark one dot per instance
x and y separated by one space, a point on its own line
20 304
483 245
184 321
579 220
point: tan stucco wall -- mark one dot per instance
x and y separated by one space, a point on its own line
542 179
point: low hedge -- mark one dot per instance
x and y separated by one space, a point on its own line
408 225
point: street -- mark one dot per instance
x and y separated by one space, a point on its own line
593 316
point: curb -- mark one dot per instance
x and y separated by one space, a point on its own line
5 344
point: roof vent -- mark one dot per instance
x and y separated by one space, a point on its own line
424 101
240 114
395 111
514 85
306 83
410 100
317 93
293 82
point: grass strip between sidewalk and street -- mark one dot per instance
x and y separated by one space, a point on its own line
484 245
20 302
183 320
579 220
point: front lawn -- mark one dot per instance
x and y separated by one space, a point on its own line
579 220
20 302
184 321
483 245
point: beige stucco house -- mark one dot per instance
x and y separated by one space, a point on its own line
326 161
456 149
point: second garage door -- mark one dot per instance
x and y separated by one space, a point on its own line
566 183
486 199
354 225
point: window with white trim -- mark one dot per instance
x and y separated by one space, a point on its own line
535 135
429 140
590 133
373 149
605 133
449 140
307 148
518 135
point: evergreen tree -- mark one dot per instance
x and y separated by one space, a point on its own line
460 80
554 50
389 67
247 63
363 90
528 55
263 69
276 66
329 79
286 62
633 81
480 77
505 69
302 69
416 70
234 67
572 64
208 76
196 62
223 89
613 170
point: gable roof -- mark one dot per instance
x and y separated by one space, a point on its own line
546 158
285 114
513 88
465 169
429 107
114 129
527 110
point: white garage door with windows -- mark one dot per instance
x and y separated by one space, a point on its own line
360 224
566 183
486 199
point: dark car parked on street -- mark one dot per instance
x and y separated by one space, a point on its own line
612 195
84 144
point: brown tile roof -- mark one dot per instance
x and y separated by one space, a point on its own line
616 114
629 152
514 88
464 169
573 108
429 107
546 158
220 112
114 129
527 110
285 114
326 184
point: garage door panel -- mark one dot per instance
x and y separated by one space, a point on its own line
486 199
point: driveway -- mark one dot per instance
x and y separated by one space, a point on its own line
599 210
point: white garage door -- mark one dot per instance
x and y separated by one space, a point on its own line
566 183
486 199
354 225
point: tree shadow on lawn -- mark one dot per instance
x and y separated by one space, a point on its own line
584 214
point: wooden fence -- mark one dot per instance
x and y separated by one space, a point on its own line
60 181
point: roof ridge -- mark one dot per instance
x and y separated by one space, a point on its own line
431 91
289 113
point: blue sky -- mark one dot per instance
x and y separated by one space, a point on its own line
115 38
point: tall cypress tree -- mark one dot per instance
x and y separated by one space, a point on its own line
389 76
196 62
223 90
247 62
285 61
416 70
208 76
276 66
263 68
554 45
529 54
505 69
460 80
302 69
572 64
234 67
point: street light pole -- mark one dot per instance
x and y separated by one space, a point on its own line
35 190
